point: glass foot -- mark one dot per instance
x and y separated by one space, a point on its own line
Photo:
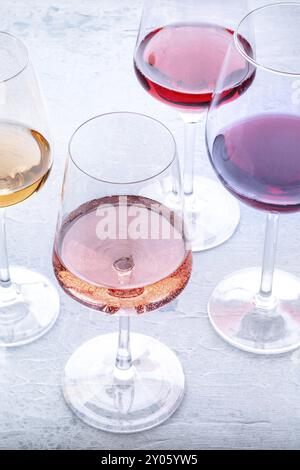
130 401
28 309
235 317
212 214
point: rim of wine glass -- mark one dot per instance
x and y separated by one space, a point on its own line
250 59
26 55
174 153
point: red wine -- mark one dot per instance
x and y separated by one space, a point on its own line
126 252
258 159
179 64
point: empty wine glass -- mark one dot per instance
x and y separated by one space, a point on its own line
178 56
29 304
121 252
254 147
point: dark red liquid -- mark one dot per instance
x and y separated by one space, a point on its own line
258 160
180 64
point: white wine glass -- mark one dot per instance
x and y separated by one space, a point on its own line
29 304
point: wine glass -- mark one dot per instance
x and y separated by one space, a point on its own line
254 145
29 304
119 251
179 52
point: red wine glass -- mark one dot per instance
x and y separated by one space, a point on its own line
120 251
254 145
179 52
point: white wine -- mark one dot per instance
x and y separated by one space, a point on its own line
25 162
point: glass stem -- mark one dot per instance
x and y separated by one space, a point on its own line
123 359
4 266
190 133
265 299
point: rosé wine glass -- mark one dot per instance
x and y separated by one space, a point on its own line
122 252
179 52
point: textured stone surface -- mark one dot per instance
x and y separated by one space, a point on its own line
82 50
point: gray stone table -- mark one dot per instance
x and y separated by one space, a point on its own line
82 51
